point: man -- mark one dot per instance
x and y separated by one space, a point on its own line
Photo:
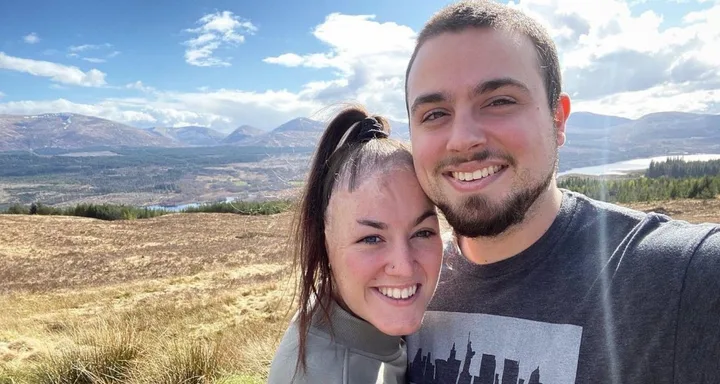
541 285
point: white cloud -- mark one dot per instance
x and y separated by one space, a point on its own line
94 60
216 30
56 72
88 47
226 109
371 64
75 52
32 38
139 86
1 95
287 59
662 97
611 55
104 110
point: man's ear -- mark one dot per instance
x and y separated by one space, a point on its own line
562 112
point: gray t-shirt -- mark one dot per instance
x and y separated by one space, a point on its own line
607 295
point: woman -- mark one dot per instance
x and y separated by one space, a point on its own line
368 246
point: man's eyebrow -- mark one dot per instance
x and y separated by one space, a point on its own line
372 223
425 215
483 87
434 97
495 84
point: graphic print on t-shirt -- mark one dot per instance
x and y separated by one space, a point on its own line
472 348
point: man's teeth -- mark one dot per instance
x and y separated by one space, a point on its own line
399 293
479 174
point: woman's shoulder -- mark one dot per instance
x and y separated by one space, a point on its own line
324 358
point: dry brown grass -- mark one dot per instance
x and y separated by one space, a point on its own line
204 297
694 211
183 287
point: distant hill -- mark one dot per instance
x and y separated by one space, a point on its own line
399 130
190 135
659 127
70 131
593 121
596 139
242 133
299 132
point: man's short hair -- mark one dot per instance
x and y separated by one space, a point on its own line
457 17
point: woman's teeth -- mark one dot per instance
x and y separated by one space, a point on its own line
399 293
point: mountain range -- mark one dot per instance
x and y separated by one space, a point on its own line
594 139
590 136
72 131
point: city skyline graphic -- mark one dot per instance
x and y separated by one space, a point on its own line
422 370
463 348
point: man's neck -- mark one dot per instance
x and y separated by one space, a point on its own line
488 250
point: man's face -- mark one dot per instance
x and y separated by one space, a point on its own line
484 140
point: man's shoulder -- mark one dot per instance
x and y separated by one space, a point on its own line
593 223
654 226
587 207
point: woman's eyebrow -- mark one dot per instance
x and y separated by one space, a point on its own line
372 223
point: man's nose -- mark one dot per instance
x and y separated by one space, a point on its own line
466 133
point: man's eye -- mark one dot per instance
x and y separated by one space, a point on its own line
434 115
499 102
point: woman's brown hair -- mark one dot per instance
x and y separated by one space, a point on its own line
352 147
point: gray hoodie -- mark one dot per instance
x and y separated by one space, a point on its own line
357 353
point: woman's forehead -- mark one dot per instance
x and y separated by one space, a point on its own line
378 187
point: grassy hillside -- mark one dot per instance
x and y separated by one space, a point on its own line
202 297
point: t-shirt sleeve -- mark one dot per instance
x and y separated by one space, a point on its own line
697 350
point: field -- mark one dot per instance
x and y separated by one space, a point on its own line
204 293
158 300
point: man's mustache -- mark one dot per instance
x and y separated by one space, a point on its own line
483 155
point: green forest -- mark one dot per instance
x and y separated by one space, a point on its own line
125 212
666 180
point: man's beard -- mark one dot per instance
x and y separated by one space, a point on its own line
476 216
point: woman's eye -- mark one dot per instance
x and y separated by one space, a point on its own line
434 115
370 240
425 233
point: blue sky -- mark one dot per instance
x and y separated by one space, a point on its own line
227 63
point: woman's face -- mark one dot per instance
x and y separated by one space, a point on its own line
385 250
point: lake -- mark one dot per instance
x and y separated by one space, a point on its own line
622 167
